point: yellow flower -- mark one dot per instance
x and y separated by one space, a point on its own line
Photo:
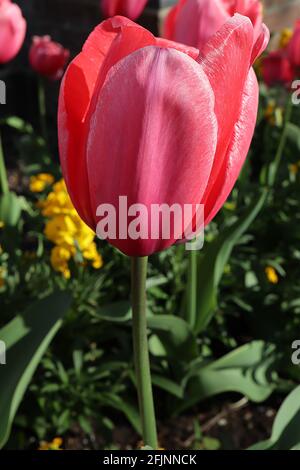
59 258
258 67
61 230
29 254
67 231
1 224
58 202
2 276
55 444
91 254
285 37
39 182
274 114
269 111
294 168
97 261
271 274
230 206
57 441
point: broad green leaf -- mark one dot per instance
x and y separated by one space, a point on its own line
166 384
263 445
85 425
129 410
286 428
247 370
293 133
10 208
17 123
175 335
77 361
156 347
155 281
26 337
115 312
216 255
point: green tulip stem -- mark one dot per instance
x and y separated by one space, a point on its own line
141 351
42 109
4 188
192 288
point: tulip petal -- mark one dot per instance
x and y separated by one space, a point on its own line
131 37
152 131
237 152
110 7
226 62
12 31
171 19
277 69
193 22
261 42
254 10
130 8
166 43
293 48
87 71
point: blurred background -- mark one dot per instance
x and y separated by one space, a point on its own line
59 19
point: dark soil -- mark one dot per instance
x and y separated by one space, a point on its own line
225 425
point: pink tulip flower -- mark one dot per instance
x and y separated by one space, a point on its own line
130 8
12 30
48 58
294 46
193 22
156 122
277 69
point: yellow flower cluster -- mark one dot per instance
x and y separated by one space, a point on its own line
39 182
274 114
230 206
67 231
294 168
272 275
55 444
2 276
285 37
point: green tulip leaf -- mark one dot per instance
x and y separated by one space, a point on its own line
10 208
115 312
26 337
168 385
17 123
175 335
216 255
247 370
293 133
286 428
128 409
